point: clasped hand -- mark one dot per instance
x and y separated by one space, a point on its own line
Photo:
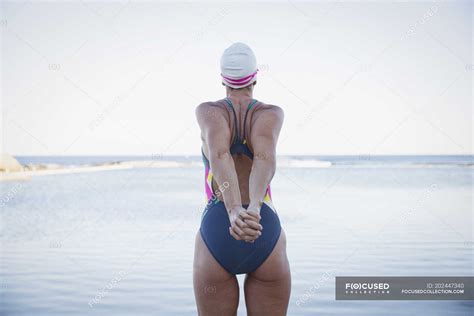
245 223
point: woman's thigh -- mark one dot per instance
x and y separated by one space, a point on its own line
267 289
216 291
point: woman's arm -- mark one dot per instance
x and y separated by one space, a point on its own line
216 136
264 138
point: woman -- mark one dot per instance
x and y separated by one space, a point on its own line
240 231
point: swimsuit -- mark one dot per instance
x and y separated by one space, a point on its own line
237 256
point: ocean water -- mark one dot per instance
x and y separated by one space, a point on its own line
293 161
121 242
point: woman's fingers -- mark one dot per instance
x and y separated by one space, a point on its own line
252 213
248 227
252 232
253 224
243 233
236 237
249 238
251 221
237 230
244 237
245 226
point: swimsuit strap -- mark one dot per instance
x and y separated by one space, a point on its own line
236 134
237 138
251 104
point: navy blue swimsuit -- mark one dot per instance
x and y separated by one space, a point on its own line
237 256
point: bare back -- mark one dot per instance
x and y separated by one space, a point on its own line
259 117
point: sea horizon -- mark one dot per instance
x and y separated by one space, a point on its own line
288 160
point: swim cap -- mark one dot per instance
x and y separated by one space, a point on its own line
238 66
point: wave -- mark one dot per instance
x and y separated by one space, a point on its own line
36 169
303 163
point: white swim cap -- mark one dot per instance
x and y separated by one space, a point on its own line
238 66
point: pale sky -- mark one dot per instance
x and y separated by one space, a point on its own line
124 77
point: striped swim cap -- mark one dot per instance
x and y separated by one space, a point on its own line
238 66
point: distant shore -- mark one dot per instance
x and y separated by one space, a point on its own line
24 168
27 174
31 170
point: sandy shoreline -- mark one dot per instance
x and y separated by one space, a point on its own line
27 174
33 170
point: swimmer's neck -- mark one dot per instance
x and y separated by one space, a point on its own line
239 94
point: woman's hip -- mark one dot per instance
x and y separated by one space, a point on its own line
237 256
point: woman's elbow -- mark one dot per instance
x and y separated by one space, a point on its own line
265 157
267 161
219 154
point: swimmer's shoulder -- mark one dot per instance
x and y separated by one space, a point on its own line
210 110
269 112
207 105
